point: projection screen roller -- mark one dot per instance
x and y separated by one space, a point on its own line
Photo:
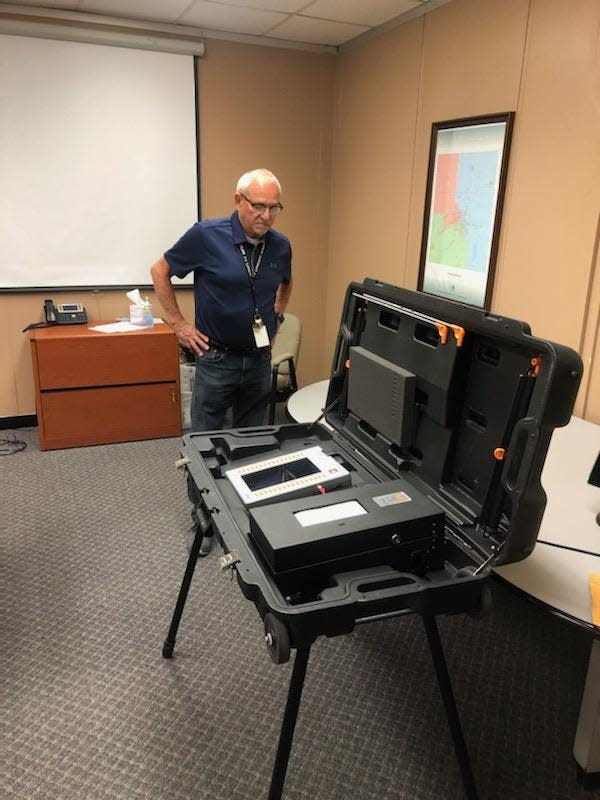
97 161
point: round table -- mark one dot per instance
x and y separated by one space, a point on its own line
306 404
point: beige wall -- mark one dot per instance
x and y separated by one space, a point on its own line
376 99
539 58
349 137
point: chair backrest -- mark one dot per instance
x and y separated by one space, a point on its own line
288 341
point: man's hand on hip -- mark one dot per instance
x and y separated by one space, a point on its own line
189 336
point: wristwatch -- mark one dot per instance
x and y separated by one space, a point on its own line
280 317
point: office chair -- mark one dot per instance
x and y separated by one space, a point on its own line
283 362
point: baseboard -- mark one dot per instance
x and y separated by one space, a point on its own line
24 421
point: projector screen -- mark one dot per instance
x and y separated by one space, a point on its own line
98 162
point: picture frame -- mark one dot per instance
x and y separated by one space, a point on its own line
466 180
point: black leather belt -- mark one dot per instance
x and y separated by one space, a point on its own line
234 351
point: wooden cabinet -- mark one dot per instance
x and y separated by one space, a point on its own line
97 388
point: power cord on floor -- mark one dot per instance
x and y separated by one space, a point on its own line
11 445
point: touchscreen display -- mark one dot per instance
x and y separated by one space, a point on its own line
272 476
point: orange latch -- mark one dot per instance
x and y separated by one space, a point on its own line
499 453
442 331
459 334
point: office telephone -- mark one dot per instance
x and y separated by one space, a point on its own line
64 313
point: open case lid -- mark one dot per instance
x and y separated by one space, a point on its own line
460 400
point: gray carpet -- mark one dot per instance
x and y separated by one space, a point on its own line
93 552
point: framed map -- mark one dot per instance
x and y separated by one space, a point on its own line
468 161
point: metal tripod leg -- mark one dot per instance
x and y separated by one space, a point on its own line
289 723
169 644
443 677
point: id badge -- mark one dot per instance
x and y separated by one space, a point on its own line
261 336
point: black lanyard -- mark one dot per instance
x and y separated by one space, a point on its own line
252 270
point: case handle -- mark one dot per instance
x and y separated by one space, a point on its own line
520 453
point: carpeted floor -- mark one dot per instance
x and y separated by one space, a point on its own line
93 552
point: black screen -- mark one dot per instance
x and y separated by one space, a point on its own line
280 474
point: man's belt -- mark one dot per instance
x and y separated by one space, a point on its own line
232 350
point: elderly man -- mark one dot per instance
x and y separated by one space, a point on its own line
242 283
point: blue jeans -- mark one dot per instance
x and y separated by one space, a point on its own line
224 381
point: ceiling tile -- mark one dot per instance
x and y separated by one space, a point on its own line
326 22
313 31
157 10
229 18
64 5
285 6
373 12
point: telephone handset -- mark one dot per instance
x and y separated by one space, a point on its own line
49 312
64 313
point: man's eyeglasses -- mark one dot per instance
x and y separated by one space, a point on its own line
260 208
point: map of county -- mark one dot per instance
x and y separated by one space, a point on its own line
463 209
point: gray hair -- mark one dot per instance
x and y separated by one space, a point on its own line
260 176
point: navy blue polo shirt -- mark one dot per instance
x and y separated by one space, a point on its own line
222 293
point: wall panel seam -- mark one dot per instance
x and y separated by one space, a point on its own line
588 343
411 191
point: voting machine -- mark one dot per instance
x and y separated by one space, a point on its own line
425 473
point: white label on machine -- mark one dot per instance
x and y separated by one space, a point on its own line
391 499
315 516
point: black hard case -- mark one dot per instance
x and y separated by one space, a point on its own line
485 399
